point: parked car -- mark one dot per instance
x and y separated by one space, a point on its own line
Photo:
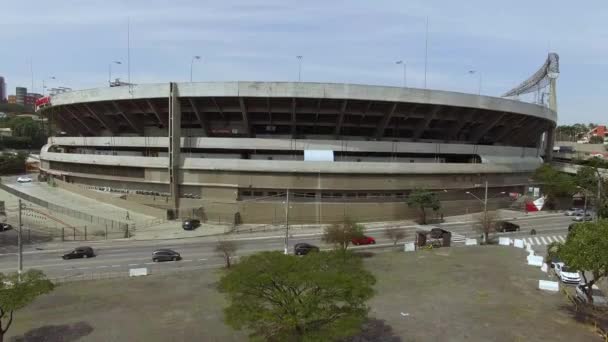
191 224
364 240
304 248
574 211
165 255
566 274
79 252
599 299
506 226
5 226
583 217
24 179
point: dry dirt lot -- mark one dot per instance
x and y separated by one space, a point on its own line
458 294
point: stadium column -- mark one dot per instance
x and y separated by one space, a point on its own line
175 123
550 141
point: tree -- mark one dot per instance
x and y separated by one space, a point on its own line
278 297
586 249
395 235
555 183
485 223
226 249
423 199
15 294
596 140
341 234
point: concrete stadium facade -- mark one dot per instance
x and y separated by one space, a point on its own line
231 150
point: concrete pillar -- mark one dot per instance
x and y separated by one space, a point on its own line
549 142
175 123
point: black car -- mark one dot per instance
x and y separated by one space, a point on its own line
304 248
191 224
5 226
79 252
165 255
506 226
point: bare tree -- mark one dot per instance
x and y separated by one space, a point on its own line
395 235
341 234
226 249
485 223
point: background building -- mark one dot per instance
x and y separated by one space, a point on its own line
30 100
12 99
20 95
2 90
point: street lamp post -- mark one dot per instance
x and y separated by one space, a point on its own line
472 72
286 247
299 68
194 58
404 72
110 71
484 201
44 83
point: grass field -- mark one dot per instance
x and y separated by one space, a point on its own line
457 294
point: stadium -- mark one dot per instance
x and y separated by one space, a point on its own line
235 151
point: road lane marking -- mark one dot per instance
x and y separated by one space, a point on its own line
115 265
133 264
186 260
544 241
537 241
102 266
202 259
562 238
83 268
550 238
529 241
150 263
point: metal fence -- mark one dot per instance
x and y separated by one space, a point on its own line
101 221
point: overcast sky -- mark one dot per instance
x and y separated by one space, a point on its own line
340 41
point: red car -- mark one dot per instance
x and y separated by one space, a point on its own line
364 240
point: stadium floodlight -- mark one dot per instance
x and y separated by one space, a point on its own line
194 58
110 71
400 62
299 68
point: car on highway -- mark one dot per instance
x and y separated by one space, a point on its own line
574 211
363 240
566 274
24 180
303 248
191 224
5 227
506 226
79 252
583 217
599 298
164 254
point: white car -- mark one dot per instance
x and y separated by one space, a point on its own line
582 217
574 212
565 274
24 180
599 299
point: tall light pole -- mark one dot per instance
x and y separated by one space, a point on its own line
286 222
110 71
473 72
44 83
404 64
194 58
299 68
426 50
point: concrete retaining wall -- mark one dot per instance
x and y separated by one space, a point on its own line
109 199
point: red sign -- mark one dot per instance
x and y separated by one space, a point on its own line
42 102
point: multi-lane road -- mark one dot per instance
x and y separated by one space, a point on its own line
119 256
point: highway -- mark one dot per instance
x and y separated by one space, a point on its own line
119 256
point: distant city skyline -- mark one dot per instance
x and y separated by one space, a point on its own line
342 42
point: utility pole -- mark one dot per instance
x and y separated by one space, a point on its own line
286 221
599 196
20 244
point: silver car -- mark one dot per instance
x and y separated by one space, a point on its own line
574 212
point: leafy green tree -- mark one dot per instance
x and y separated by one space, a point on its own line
485 223
341 234
586 249
277 297
588 179
423 199
395 234
596 140
15 294
554 183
